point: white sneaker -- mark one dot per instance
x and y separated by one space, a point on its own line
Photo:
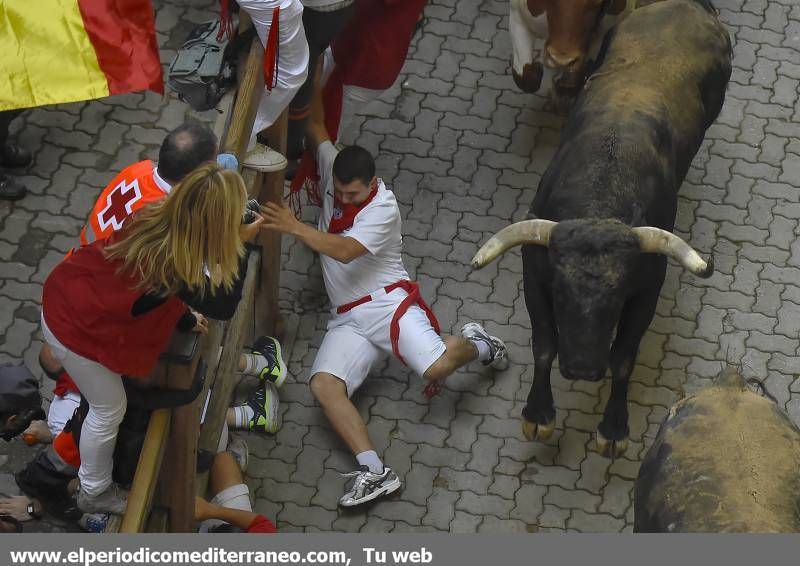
113 500
264 159
368 486
238 447
498 355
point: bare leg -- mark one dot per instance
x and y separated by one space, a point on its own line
331 393
460 352
225 472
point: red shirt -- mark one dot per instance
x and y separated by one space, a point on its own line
87 306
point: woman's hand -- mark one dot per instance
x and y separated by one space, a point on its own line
201 326
248 231
279 217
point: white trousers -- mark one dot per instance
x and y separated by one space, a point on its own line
234 497
61 410
354 99
292 56
103 390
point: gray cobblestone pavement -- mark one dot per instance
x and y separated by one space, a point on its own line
463 150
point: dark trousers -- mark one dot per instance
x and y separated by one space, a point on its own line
321 28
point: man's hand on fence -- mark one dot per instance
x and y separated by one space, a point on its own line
279 217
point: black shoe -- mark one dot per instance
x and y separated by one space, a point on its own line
270 348
10 189
14 156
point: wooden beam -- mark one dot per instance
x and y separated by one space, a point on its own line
147 471
179 469
270 189
158 522
249 93
224 382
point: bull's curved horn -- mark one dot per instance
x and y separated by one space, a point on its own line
657 241
525 232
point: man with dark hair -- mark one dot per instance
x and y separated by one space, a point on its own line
354 163
378 310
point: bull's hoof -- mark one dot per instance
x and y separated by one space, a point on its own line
535 431
531 78
611 448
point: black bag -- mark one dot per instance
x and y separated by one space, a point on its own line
201 73
20 401
18 389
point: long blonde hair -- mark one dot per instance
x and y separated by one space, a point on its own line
169 244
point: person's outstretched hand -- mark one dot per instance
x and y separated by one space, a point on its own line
280 218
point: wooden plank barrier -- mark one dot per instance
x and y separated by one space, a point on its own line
269 188
166 479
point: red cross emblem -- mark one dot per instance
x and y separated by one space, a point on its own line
119 205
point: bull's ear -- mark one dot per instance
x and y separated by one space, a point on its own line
537 7
616 7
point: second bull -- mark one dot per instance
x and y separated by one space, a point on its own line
601 222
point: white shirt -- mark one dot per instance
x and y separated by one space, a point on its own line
377 227
162 184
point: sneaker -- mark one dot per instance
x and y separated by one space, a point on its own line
264 159
113 500
368 486
270 348
265 403
10 189
497 349
14 156
238 447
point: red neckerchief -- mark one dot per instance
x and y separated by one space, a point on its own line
345 214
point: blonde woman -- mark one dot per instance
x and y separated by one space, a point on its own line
110 308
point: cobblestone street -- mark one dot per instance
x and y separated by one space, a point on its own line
463 149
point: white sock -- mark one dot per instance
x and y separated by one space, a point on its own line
484 353
370 459
254 364
242 415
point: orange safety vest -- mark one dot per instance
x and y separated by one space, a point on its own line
133 188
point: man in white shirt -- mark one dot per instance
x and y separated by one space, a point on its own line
377 310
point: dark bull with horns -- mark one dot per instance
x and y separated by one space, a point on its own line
594 252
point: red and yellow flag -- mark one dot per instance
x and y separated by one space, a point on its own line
55 51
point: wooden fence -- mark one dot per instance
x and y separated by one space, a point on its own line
166 480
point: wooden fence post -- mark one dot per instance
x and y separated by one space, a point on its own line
269 187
